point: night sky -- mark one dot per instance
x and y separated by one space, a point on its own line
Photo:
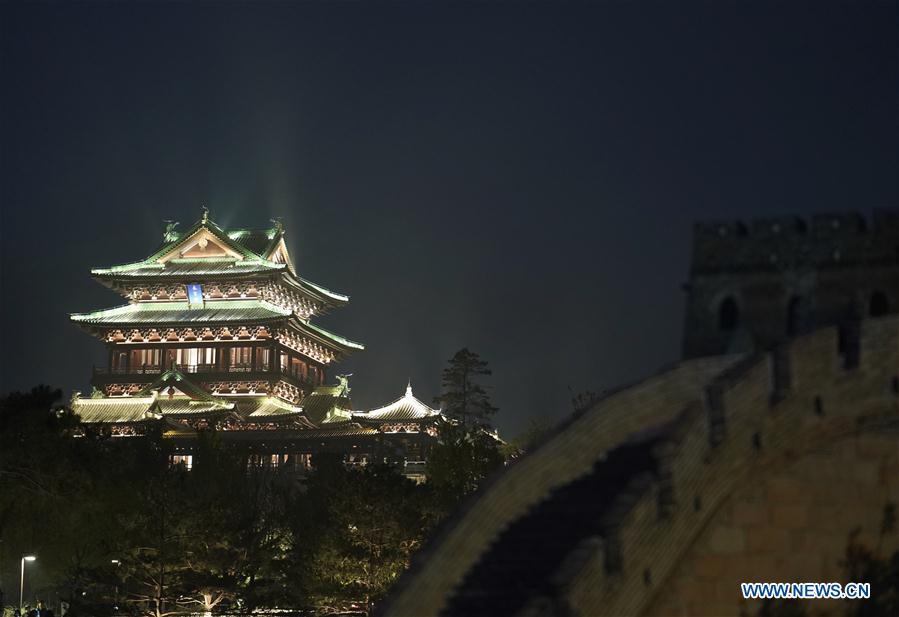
518 179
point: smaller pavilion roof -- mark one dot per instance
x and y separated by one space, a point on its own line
187 398
125 410
327 404
174 377
404 408
267 408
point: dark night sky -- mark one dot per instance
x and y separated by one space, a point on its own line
519 179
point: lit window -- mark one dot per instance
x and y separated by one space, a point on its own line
183 459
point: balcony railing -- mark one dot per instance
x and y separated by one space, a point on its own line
155 369
146 369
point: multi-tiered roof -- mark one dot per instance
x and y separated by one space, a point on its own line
248 275
217 321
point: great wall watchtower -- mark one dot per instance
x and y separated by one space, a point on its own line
754 284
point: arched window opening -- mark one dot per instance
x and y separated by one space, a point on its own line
794 316
879 304
728 315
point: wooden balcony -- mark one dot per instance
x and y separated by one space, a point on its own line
147 373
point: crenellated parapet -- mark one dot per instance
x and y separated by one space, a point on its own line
754 285
820 241
712 430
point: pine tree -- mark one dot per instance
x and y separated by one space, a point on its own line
466 452
463 398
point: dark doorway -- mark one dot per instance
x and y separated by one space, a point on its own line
728 315
879 304
795 312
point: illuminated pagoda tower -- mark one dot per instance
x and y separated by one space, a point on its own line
217 333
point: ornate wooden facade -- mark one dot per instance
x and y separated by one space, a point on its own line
217 335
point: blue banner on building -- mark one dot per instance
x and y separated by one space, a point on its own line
195 294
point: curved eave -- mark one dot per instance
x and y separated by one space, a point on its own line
326 337
332 299
94 320
229 269
361 417
88 325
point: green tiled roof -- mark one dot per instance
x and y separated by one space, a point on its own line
267 407
258 241
325 405
253 245
215 311
116 410
177 237
196 401
190 268
185 407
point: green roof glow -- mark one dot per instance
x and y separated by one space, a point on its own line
214 311
116 410
190 268
333 337
267 407
324 290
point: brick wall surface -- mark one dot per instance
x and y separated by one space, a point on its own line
768 463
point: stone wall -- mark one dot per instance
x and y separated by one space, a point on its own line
733 471
441 566
787 276
726 505
788 524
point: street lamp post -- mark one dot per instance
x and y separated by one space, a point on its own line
22 579
116 563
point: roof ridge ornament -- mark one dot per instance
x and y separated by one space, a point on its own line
279 223
205 218
343 385
170 235
409 389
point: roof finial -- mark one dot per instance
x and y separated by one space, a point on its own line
409 388
279 224
170 235
205 214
